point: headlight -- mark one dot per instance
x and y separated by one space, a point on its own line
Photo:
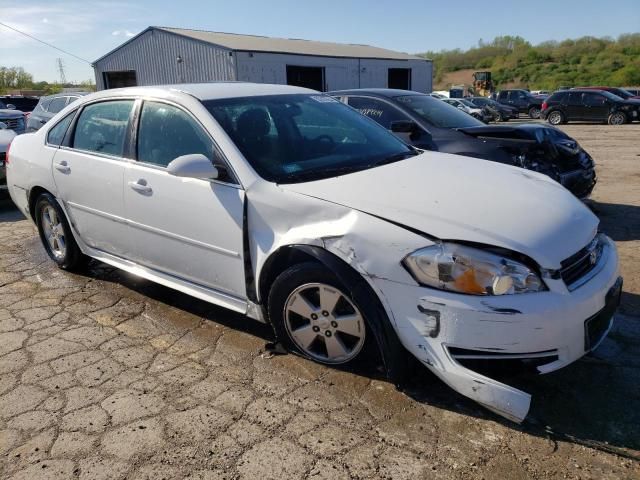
463 269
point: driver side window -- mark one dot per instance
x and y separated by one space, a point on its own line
166 132
377 110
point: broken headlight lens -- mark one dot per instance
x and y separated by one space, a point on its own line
458 268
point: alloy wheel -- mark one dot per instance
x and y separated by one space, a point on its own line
324 323
555 118
617 119
54 231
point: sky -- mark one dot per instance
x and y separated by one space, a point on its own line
91 28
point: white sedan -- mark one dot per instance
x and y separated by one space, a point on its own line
292 208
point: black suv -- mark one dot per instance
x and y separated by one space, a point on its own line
589 105
522 100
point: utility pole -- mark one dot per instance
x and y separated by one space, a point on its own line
63 78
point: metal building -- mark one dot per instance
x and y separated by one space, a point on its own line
160 55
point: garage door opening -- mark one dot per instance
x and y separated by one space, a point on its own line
399 78
308 77
120 79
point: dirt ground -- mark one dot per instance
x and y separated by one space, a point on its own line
106 376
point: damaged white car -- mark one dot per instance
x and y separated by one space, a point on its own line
288 206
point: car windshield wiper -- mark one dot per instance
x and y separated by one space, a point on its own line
319 173
396 157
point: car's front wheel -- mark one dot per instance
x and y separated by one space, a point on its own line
55 234
617 118
534 112
555 118
315 315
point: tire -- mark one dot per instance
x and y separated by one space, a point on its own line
556 118
617 118
314 315
499 117
534 112
56 236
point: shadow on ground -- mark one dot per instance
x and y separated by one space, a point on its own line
621 222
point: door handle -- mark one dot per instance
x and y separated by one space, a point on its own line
141 186
62 166
42 121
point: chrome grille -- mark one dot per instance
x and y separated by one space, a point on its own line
581 263
16 124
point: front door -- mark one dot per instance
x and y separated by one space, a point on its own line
595 105
89 174
186 227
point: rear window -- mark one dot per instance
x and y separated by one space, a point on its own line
102 127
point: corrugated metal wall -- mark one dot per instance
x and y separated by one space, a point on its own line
153 57
340 73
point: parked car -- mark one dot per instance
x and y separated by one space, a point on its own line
635 91
469 108
48 106
6 137
522 100
430 124
589 105
12 118
540 92
620 92
25 104
499 111
284 204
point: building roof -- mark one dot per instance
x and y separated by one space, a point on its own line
255 43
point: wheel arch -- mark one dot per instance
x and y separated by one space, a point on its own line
392 353
34 193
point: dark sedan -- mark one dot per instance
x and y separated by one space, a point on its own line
431 124
500 112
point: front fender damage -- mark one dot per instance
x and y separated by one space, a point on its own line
373 248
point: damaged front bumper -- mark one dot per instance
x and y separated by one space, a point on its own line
549 330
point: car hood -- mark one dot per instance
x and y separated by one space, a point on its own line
459 198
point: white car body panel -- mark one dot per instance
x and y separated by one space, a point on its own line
370 220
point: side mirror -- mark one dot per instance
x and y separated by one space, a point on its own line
194 165
11 106
404 126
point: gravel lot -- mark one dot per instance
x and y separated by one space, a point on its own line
106 376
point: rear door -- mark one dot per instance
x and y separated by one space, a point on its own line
576 110
186 227
88 171
595 105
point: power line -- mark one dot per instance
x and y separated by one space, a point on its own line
45 43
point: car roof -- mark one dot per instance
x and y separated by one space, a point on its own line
381 92
211 90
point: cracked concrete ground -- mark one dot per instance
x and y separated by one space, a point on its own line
106 376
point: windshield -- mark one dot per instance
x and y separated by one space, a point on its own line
438 113
297 138
610 95
468 103
621 92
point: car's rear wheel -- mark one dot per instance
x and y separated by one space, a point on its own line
617 118
315 315
55 234
534 112
555 118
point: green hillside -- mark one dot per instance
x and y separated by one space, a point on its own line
514 61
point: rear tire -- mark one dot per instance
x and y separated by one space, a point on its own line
315 315
556 118
534 112
617 118
56 236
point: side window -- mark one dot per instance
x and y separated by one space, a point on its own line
57 133
102 127
44 104
593 99
166 132
57 104
503 95
377 110
575 98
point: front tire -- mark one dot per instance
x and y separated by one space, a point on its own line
313 314
534 112
55 234
617 118
556 118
